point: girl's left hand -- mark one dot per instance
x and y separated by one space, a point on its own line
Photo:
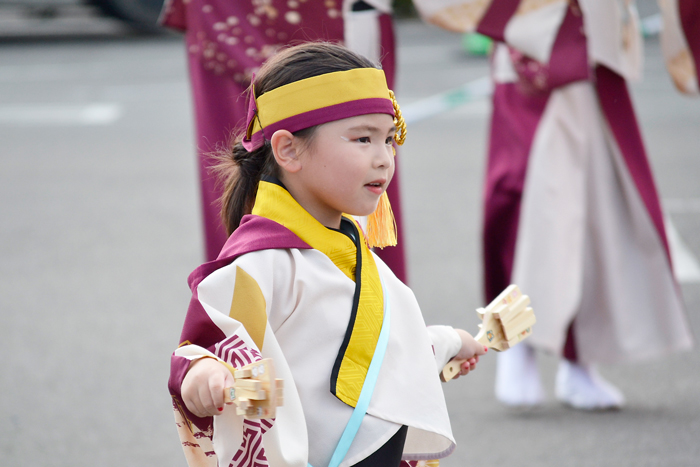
470 352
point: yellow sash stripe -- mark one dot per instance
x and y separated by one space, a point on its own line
248 306
275 203
365 333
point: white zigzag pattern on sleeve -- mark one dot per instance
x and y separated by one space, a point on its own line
234 351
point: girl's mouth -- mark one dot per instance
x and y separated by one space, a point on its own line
375 187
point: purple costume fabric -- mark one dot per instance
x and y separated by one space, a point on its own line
690 20
518 108
226 42
255 233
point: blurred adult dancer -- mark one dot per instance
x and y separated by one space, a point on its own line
571 211
228 41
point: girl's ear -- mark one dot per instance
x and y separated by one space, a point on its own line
285 149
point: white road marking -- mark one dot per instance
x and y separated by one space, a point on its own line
686 266
60 114
448 100
681 205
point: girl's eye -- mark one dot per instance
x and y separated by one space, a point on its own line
389 140
363 139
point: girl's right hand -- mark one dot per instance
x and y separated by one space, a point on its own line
203 387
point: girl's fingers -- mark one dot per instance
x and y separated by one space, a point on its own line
205 402
469 365
195 407
203 387
217 384
466 368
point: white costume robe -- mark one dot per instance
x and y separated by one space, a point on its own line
297 307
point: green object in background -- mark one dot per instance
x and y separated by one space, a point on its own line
476 44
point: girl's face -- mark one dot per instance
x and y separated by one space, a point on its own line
347 167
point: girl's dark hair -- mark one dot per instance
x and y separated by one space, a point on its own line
240 170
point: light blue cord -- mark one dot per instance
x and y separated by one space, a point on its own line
367 388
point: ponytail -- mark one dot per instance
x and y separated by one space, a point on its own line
240 172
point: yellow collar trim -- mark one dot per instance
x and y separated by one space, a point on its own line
277 204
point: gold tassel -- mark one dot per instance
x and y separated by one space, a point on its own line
381 225
399 122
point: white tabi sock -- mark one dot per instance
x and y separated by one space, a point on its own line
582 387
518 378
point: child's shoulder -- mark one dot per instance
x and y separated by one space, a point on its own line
259 269
300 269
273 262
263 261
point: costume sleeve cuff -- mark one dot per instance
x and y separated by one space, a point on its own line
446 344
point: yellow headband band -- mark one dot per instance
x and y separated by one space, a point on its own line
319 99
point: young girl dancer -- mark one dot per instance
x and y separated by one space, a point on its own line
297 282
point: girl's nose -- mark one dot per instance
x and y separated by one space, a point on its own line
384 156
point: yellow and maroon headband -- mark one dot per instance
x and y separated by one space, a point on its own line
320 99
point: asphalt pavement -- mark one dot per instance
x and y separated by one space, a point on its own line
101 226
